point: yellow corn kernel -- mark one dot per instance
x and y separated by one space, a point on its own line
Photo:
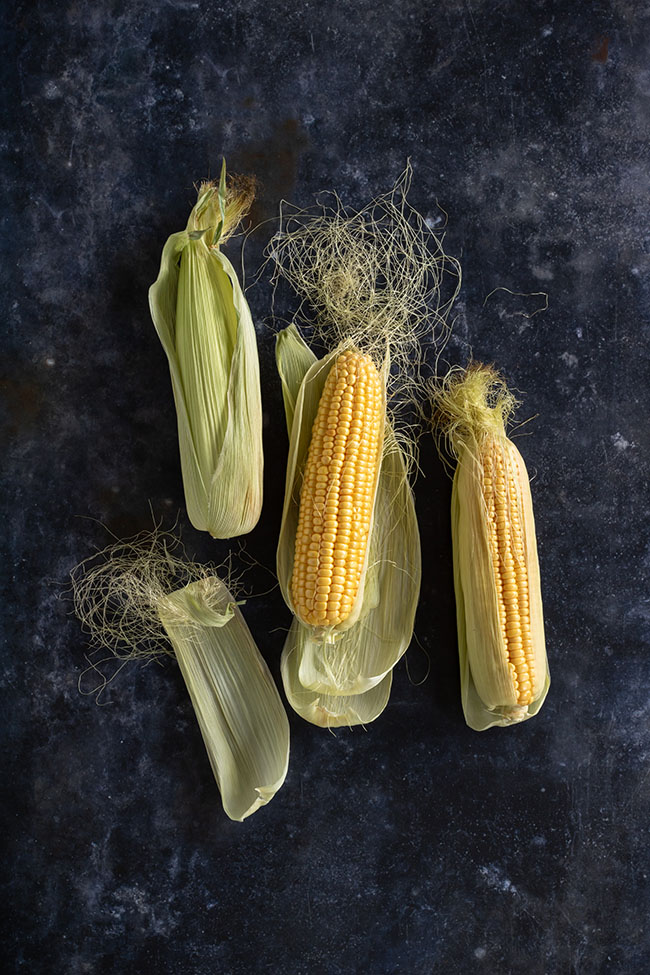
337 494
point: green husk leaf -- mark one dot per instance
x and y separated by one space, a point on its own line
240 714
294 358
206 329
327 710
359 655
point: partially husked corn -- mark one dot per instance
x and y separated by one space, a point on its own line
322 663
504 671
338 491
348 558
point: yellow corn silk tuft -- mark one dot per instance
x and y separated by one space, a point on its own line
504 670
206 329
138 600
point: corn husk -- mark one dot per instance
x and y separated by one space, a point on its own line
239 711
206 329
353 658
327 710
475 406
138 600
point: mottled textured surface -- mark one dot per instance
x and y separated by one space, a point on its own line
416 846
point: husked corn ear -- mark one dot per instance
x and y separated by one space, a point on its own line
338 492
504 671
502 487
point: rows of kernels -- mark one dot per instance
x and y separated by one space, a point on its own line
509 566
337 493
520 641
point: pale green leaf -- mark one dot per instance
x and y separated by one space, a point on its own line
240 714
293 358
326 710
206 329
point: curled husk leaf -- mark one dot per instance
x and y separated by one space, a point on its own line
320 708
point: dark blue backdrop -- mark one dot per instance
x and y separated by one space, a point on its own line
416 846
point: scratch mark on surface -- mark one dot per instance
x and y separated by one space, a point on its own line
601 52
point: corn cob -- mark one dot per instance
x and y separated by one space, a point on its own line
502 478
338 492
504 672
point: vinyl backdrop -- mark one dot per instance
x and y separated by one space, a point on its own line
414 846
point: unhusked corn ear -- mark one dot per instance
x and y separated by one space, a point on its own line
338 492
206 329
138 599
504 671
